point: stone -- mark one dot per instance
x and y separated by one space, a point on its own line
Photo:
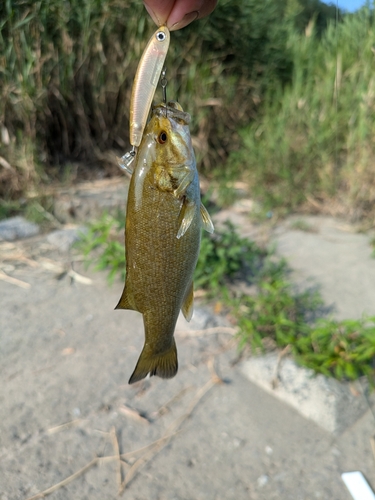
16 228
64 239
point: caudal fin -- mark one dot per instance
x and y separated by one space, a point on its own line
164 365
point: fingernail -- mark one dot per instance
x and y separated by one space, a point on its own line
153 15
187 19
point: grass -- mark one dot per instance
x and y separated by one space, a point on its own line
273 314
302 225
314 138
67 70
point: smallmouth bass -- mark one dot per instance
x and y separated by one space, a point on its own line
162 237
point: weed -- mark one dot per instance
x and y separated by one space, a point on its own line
9 208
302 225
101 244
314 138
224 257
343 349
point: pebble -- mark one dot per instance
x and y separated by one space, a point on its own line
16 228
262 480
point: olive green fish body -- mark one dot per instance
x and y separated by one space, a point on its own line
162 237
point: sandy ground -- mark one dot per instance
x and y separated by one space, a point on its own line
66 356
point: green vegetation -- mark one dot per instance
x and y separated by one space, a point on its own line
272 314
281 93
302 225
103 235
314 138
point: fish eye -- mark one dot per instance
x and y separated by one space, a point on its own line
162 139
160 36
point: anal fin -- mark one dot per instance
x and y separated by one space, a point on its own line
188 303
125 302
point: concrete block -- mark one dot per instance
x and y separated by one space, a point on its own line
327 402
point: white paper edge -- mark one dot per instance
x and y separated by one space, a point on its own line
357 486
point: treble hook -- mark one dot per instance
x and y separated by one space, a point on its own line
164 83
126 160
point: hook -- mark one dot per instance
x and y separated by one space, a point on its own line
163 83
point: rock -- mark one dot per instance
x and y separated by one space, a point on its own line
327 402
64 239
16 228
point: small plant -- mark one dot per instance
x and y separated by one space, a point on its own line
276 313
343 349
103 239
302 225
224 257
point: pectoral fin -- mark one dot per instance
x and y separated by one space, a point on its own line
187 215
206 220
188 304
185 175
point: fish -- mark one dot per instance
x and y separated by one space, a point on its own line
145 82
164 219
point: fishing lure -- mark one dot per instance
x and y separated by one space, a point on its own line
145 82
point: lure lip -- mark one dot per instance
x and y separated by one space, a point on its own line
145 82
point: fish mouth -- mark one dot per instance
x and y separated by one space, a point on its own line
171 110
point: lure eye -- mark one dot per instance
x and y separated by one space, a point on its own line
160 36
162 139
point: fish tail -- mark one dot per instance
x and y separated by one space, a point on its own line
164 365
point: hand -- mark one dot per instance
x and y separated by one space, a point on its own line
177 14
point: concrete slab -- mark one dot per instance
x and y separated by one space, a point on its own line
333 257
329 403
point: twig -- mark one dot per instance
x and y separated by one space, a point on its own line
133 414
276 377
163 409
144 448
62 427
141 461
79 278
199 395
66 481
14 281
215 377
116 449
